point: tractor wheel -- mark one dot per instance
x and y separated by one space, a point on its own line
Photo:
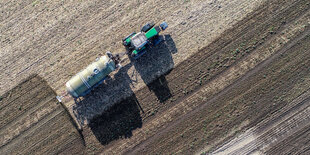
147 26
131 34
124 43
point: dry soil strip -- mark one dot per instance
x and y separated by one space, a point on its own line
255 140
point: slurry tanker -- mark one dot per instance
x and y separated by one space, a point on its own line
136 44
93 75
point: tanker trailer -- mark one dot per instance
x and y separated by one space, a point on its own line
93 75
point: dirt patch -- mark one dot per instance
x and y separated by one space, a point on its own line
34 122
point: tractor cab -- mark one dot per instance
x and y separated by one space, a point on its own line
139 40
136 43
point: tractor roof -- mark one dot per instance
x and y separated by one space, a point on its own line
139 40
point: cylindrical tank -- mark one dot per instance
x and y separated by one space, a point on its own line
80 84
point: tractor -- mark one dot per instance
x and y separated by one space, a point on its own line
136 43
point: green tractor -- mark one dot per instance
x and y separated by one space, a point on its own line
137 43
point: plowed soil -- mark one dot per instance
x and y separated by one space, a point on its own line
32 121
229 77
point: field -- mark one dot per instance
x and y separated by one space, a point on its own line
230 77
34 122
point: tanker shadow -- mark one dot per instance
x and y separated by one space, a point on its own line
156 63
121 118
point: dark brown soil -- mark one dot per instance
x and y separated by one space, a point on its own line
34 122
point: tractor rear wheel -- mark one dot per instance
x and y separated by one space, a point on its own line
131 34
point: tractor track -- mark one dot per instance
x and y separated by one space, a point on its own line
289 144
293 120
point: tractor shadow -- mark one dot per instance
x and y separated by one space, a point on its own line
156 63
119 119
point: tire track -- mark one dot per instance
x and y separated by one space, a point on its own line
296 117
